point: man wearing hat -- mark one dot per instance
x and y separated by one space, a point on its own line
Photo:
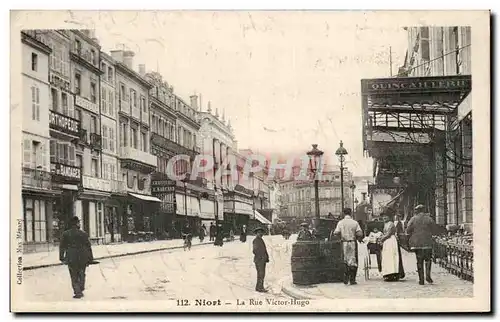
304 233
75 251
350 232
420 229
261 258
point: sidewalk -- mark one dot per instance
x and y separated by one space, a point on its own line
445 285
51 257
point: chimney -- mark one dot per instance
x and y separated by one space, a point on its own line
142 69
128 59
194 102
117 55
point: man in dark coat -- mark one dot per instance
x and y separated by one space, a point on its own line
420 230
212 231
304 233
75 251
261 258
243 235
219 235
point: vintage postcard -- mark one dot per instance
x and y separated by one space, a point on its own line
250 161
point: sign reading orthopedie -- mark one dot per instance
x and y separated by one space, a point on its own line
460 83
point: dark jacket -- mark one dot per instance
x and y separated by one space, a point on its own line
260 251
75 248
420 229
305 235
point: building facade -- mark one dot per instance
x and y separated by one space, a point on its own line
86 81
137 208
37 193
110 153
418 127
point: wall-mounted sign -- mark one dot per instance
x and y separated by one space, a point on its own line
86 104
65 172
64 123
460 83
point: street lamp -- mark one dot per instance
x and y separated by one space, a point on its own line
314 163
353 187
341 153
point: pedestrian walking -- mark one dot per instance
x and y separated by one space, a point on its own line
212 231
76 252
187 233
304 233
420 229
243 235
350 232
392 262
219 236
202 233
261 258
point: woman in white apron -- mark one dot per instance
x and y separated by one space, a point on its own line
392 263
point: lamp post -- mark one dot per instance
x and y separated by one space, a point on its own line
341 153
353 187
314 163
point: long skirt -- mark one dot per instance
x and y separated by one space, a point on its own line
243 238
392 264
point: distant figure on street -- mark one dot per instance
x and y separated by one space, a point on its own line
420 229
304 233
392 262
374 247
219 236
212 231
243 235
261 258
187 234
202 233
76 252
350 232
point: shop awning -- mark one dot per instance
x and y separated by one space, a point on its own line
144 197
261 218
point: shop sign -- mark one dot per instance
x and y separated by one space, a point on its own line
417 84
64 123
66 171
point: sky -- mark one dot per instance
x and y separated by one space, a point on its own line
285 79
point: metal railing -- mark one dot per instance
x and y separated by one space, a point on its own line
456 255
36 178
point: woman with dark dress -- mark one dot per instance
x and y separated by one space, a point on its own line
243 235
392 262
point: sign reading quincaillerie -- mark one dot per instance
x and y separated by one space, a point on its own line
460 83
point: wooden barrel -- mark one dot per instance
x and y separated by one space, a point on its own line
305 262
331 264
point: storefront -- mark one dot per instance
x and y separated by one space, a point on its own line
407 126
37 207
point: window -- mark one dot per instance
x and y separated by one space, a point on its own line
93 92
62 152
78 114
104 98
143 104
111 105
93 56
110 74
34 62
105 137
103 68
424 41
123 136
55 99
144 142
122 92
112 141
35 221
35 103
79 161
133 138
93 168
78 83
78 46
64 101
100 219
93 124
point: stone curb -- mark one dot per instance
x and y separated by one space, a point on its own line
289 289
27 268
